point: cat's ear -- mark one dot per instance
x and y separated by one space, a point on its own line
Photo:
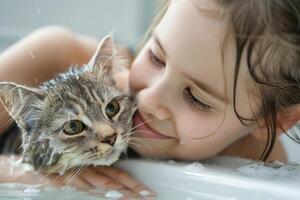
17 99
102 58
111 60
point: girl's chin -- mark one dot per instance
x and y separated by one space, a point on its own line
148 152
154 148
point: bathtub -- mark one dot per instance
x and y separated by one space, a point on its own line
220 178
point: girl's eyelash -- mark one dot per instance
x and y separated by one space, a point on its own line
187 92
194 101
155 60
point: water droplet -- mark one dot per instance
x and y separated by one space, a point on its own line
113 194
31 54
144 193
171 162
31 191
194 167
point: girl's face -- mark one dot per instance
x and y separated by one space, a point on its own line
185 87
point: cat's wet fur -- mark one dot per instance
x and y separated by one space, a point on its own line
78 118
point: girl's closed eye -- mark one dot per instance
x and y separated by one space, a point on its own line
192 100
155 60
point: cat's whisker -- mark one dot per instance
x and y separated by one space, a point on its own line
53 170
8 122
133 137
43 163
132 141
135 145
67 150
132 133
19 148
50 182
75 157
57 167
132 130
92 156
73 175
128 135
136 139
144 122
140 143
76 174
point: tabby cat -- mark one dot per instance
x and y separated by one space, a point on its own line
78 118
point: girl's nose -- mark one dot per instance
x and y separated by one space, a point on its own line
153 101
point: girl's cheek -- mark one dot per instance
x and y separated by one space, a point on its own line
139 73
140 70
135 82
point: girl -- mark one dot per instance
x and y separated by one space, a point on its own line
214 77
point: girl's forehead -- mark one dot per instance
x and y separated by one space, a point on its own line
186 22
192 41
209 7
197 44
185 27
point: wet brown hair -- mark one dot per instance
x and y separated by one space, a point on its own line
268 30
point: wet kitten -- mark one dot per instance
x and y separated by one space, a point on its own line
78 118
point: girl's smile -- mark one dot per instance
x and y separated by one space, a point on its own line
145 130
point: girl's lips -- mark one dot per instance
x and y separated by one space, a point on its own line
144 130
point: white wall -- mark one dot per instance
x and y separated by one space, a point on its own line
129 18
292 147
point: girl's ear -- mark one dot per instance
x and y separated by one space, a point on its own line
286 119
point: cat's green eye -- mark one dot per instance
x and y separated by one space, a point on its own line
73 127
112 108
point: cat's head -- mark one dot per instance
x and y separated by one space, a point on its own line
81 117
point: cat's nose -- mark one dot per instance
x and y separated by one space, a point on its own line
105 133
110 139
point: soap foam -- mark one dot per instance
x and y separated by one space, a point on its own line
274 170
113 194
194 167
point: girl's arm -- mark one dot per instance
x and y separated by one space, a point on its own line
39 56
110 178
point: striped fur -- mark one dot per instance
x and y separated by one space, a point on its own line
81 93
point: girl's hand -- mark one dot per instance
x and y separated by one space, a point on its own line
109 178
